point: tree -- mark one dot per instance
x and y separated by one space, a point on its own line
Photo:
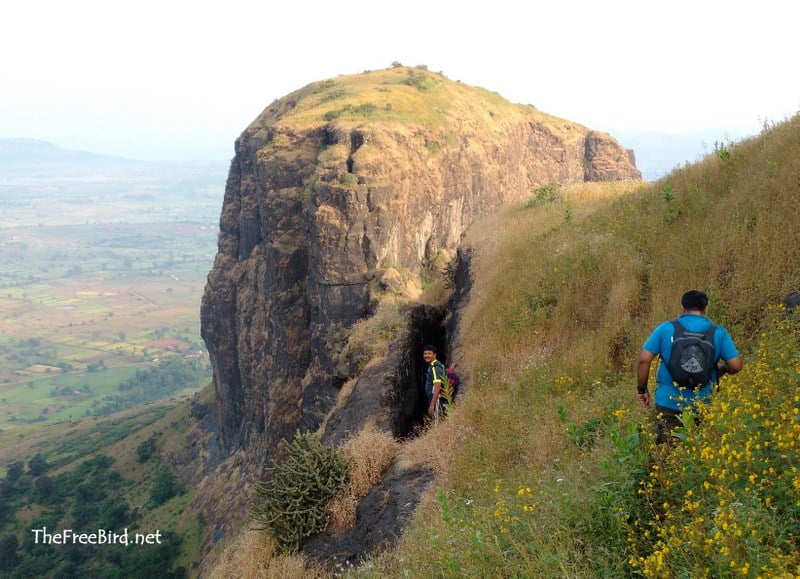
4 510
44 488
165 486
145 450
113 514
37 465
8 552
14 471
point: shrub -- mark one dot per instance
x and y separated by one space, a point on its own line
165 486
419 81
145 450
292 504
544 194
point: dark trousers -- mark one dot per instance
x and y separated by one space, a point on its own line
667 420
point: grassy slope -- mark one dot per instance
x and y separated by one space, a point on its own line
68 444
546 478
405 97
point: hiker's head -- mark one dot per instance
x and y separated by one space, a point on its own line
694 301
429 353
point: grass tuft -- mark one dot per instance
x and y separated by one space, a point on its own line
369 454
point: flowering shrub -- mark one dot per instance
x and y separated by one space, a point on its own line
726 500
484 533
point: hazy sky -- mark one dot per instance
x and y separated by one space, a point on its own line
183 79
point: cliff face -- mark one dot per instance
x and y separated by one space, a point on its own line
335 182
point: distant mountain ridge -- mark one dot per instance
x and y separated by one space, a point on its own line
21 151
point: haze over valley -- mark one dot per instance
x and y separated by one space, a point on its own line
102 266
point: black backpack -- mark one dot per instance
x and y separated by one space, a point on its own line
692 359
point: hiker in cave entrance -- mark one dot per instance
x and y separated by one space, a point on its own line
435 374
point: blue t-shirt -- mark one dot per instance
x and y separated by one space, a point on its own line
660 343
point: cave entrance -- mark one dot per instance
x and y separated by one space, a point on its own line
427 326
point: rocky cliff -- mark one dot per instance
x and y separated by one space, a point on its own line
334 183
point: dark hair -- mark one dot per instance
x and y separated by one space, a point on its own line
694 300
429 347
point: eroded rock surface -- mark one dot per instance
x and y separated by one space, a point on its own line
321 199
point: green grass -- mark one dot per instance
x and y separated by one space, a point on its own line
104 434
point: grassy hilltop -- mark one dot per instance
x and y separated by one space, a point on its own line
401 97
546 466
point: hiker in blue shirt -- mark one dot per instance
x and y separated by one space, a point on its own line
671 398
435 374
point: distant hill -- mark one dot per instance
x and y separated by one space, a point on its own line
43 183
16 152
26 159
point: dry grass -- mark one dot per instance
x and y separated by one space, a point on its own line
370 337
530 271
370 453
254 556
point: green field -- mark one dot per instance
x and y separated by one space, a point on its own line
84 305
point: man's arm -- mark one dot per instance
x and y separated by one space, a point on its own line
731 366
646 358
437 388
730 362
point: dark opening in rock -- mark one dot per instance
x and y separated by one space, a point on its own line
427 325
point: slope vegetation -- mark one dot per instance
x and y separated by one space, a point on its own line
555 470
547 465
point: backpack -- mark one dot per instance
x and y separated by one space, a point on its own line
692 358
454 380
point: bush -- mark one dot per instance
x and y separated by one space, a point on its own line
165 487
292 504
544 194
37 465
145 450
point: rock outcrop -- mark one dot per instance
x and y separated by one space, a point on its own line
333 192
337 181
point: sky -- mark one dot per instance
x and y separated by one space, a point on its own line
179 80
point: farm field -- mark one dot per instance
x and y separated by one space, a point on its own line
99 307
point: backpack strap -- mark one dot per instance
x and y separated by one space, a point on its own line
439 372
708 333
